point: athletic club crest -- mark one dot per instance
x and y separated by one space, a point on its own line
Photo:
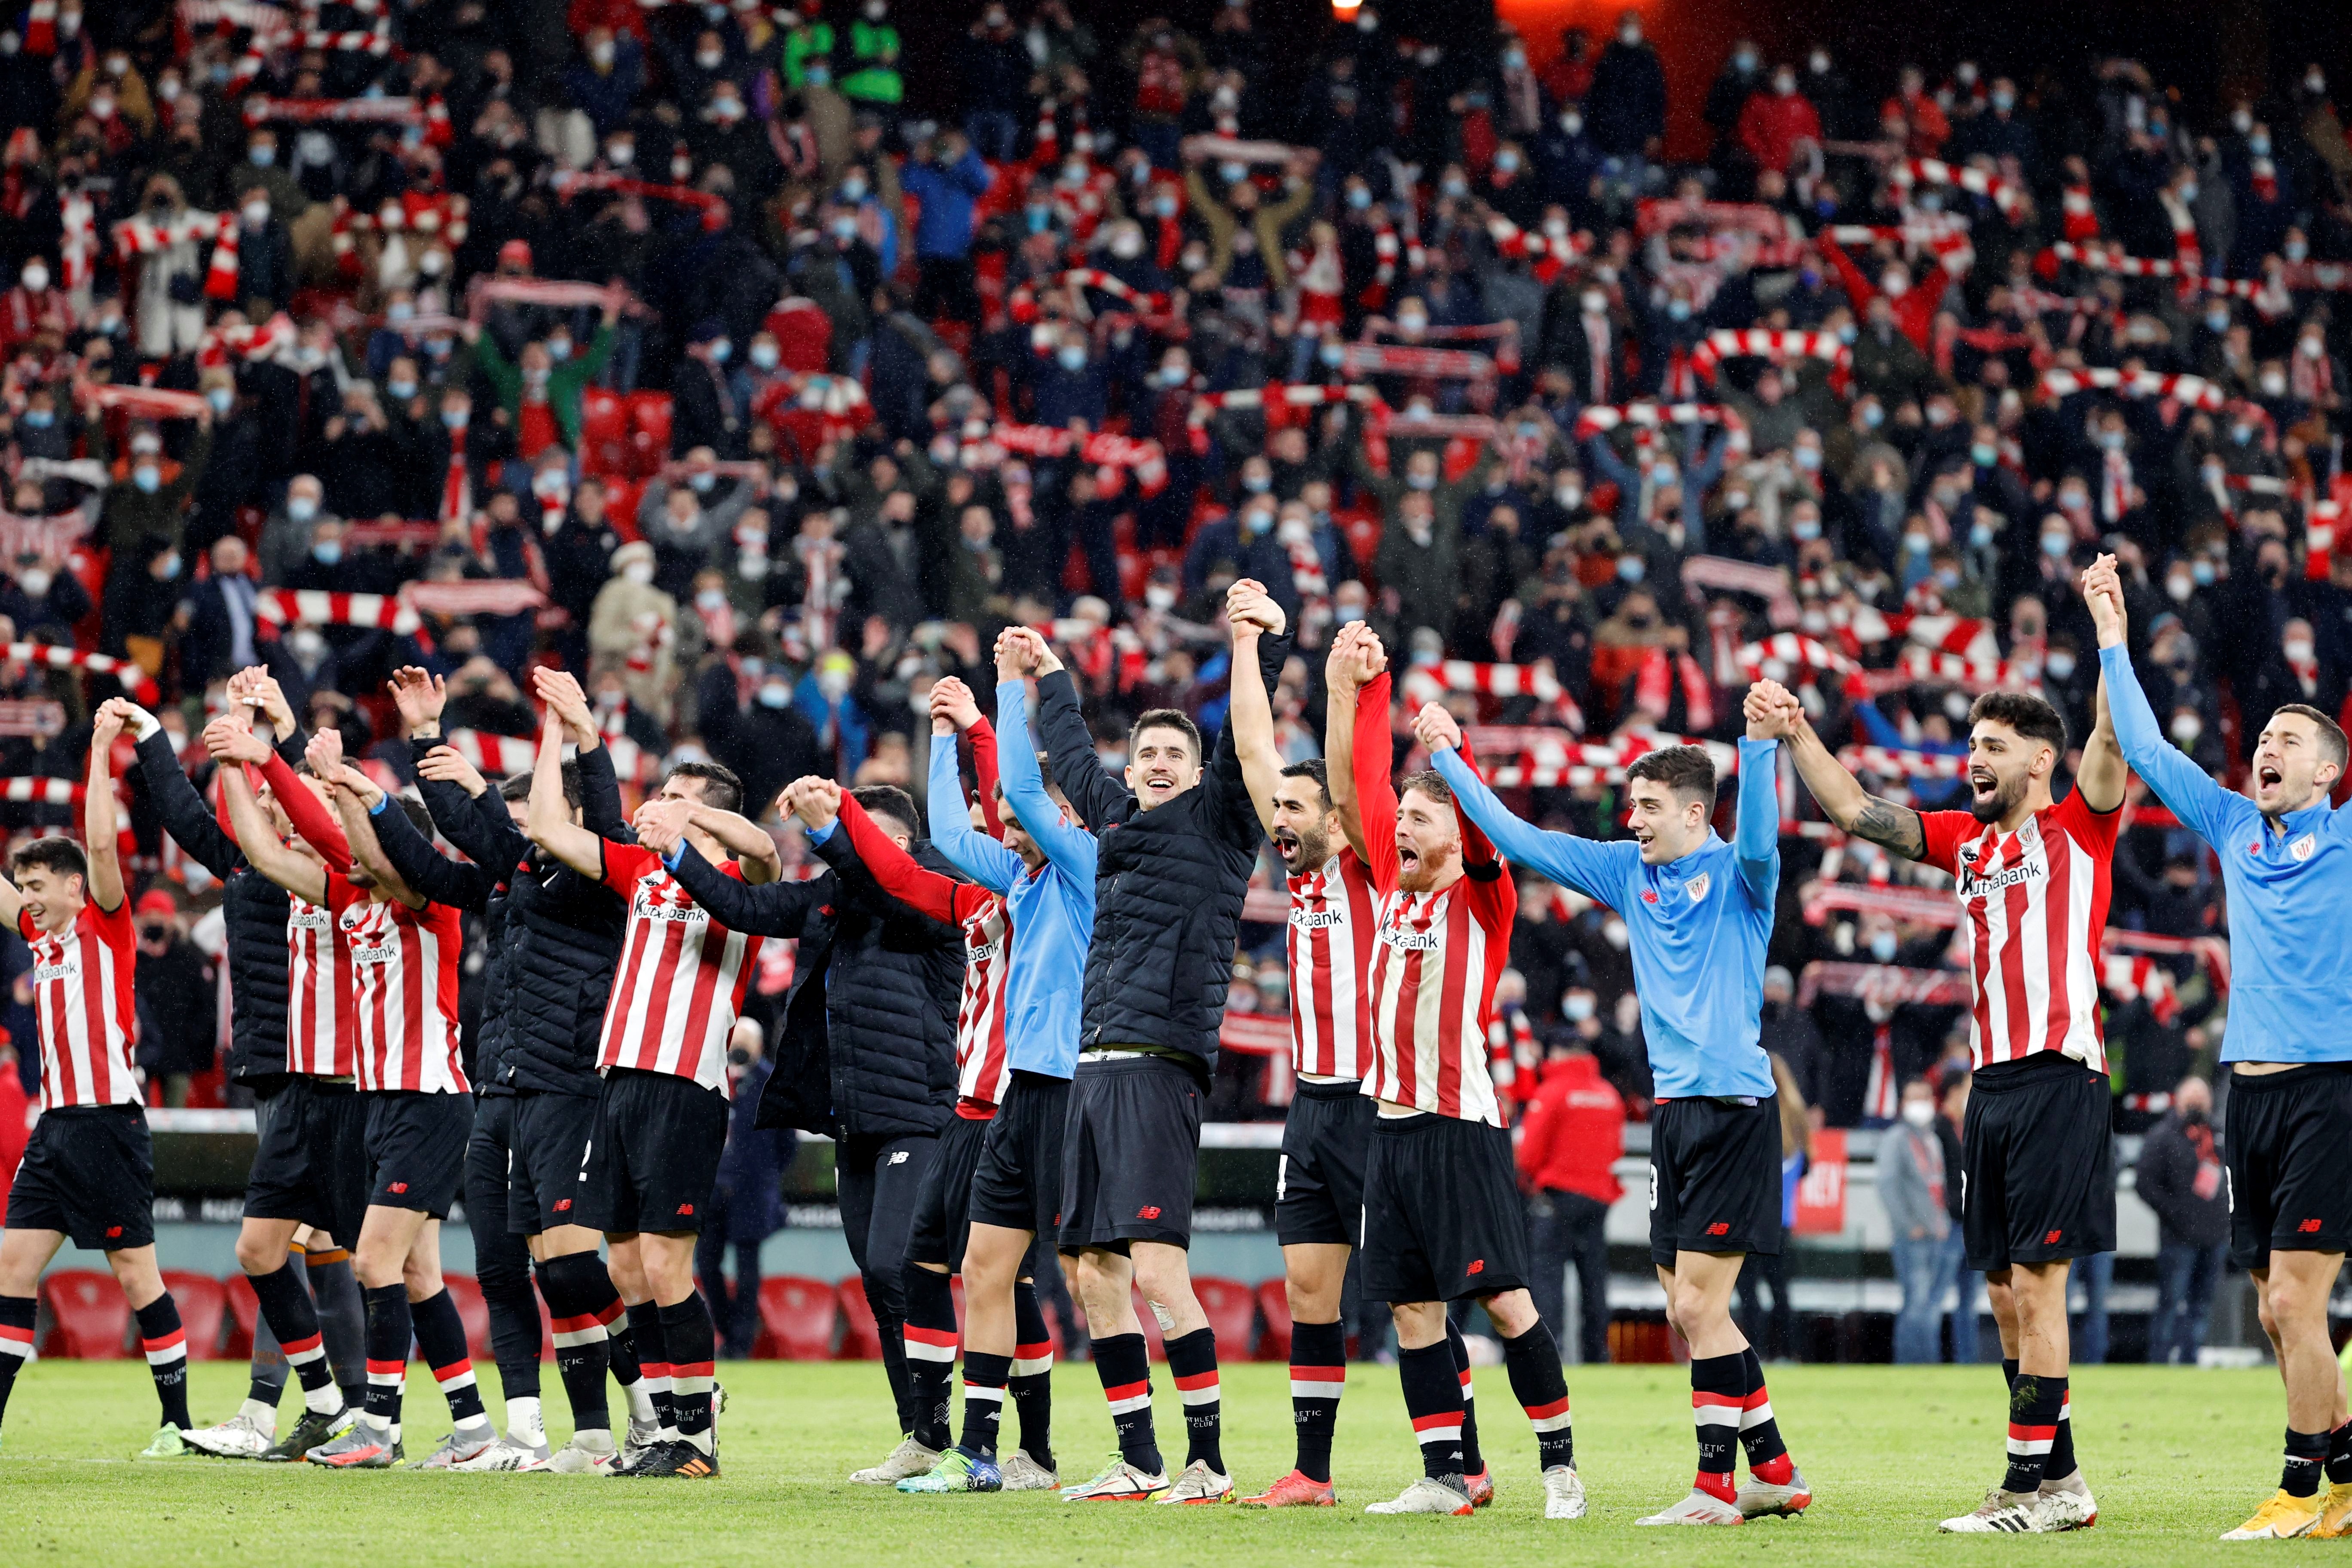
1698 886
2305 847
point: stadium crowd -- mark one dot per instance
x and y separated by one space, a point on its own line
696 350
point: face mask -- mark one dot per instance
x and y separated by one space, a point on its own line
1233 173
1577 1009
261 157
221 398
1613 932
2294 249
876 10
710 599
1570 497
1573 124
1257 521
1455 185
1917 544
708 59
2273 384
559 349
256 214
1981 534
1920 1113
1678 310
433 266
328 551
853 189
2185 727
1629 36
2004 99
39 418
764 355
2259 145
720 351
1785 86
1595 302
1072 359
172 567
35 581
640 572
148 477
2311 348
36 279
401 391
1882 947
1358 197
1895 286
455 418
820 76
1160 597
301 509
2177 587
775 694
701 483
2060 665
1806 530
1984 455
2217 321
1507 160
2055 546
1807 457
2298 652
1631 569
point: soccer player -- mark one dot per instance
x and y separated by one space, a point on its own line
290 1043
1699 912
2032 876
2287 864
1177 844
1442 1221
554 937
402 951
88 1171
661 1108
1045 878
1319 1209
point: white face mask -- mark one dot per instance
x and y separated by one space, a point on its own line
1920 1113
35 278
2299 652
641 572
2185 727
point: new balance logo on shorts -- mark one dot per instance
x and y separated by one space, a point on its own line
1718 1229
562 1204
685 1208
2051 1239
1149 1211
114 1230
397 1188
2308 1228
900 1158
1477 1266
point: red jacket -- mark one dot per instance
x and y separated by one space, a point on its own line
1914 312
1770 126
1572 1132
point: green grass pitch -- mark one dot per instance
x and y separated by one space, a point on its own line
2175 1456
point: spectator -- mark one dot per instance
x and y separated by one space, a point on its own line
746 1202
177 999
2180 1175
1967 1286
1571 1135
1911 1178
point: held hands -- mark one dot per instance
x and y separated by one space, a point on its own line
1356 657
443 766
325 752
952 707
561 693
2102 593
418 696
1022 653
816 801
1434 727
1773 711
106 726
347 778
230 741
1251 610
661 824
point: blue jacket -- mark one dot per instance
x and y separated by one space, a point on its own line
2289 886
1052 908
947 195
1699 924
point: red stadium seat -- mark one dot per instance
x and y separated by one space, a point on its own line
474 1312
621 498
803 335
861 1340
797 1319
605 446
1273 1301
649 415
1232 1308
243 1315
203 1301
89 1319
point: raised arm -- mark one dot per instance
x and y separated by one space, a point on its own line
2195 798
1065 844
1241 809
1249 716
986 860
954 710
600 786
2103 773
1355 657
1596 870
98 819
1756 838
256 836
1773 710
467 811
1101 796
420 867
1371 789
186 817
547 820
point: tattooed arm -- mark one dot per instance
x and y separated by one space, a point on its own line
1864 815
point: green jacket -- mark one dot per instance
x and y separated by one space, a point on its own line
566 382
802 44
873 61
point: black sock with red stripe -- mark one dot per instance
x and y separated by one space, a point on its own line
1432 1400
17 1314
2339 1455
1031 1384
929 1335
984 1376
693 1347
2306 1456
1759 1433
1532 1360
166 1345
576 1287
2034 1406
286 1308
441 1336
1124 1365
1719 1392
389 1331
1473 1462
1193 1362
1318 1376
652 1362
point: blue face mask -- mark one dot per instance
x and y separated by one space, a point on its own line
39 418
1983 455
1173 376
559 349
1257 521
2055 546
1873 416
1631 568
328 551
701 483
1071 358
1257 484
2241 434
775 696
1333 354
402 391
1040 219
302 509
720 351
262 157
1678 310
148 477
1359 198
2203 573
1847 333
221 398
1981 535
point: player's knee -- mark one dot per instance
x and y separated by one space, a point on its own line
259 1254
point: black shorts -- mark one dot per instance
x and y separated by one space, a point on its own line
2037 1165
548 1147
1318 1191
944 1203
311 1165
1443 1216
89 1172
416 1148
1017 1186
655 1155
1131 1151
2285 1144
1715 1177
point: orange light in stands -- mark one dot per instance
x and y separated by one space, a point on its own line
1345 7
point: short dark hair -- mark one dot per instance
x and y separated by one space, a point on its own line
1429 781
2333 747
1685 770
721 790
54 853
891 800
1313 768
1166 719
418 817
516 786
2031 715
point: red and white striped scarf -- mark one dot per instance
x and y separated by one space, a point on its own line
79 246
1654 682
56 657
2079 219
145 237
317 607
2310 378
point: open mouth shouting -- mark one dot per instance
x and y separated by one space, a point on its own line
1286 844
1408 858
2268 778
1983 786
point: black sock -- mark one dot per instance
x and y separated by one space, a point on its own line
1318 1376
1125 1367
930 1337
441 1335
515 1339
576 1286
621 1348
1768 1456
167 1356
1432 1399
1192 1363
2306 1456
2008 1374
390 1328
2061 1447
265 1379
17 1317
2034 1406
985 1377
652 1362
1474 1463
1716 1399
1032 1386
1541 1388
342 1318
287 1311
686 1335
2339 1455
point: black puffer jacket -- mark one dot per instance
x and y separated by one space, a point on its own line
253 907
868 1042
1169 883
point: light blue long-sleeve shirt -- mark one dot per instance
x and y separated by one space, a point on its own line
1052 908
2290 892
1699 925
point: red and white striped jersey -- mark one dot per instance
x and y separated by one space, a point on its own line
404 991
1334 916
2033 905
82 997
983 1071
1435 965
318 1028
681 976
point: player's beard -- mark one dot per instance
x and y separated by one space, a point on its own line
2003 800
1313 850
